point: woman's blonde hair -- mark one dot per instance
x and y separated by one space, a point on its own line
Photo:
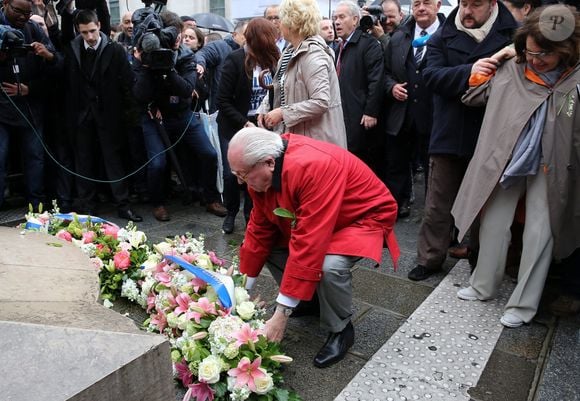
301 16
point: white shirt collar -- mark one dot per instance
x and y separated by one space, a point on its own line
94 47
430 29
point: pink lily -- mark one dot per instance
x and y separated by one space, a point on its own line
214 259
200 392
246 335
183 300
150 302
163 278
183 373
159 320
206 306
247 372
188 257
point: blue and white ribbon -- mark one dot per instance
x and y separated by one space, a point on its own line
222 284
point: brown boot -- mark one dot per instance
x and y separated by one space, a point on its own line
217 209
161 213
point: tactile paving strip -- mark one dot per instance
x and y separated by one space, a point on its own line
439 352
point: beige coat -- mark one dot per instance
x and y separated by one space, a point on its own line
312 94
511 100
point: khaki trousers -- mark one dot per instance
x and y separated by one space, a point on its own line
494 239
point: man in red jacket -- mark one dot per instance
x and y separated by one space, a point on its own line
317 210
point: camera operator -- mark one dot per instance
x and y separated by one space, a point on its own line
386 19
26 57
164 86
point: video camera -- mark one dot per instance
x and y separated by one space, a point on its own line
375 17
12 41
153 40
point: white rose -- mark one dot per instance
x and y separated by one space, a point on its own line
122 234
246 310
209 369
204 262
137 238
263 384
163 248
241 295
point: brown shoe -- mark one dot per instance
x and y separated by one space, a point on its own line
216 208
458 251
161 213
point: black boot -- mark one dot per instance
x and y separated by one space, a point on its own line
335 347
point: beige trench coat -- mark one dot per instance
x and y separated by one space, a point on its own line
511 100
312 94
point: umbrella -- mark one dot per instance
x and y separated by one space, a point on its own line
213 21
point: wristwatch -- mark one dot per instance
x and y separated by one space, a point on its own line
286 310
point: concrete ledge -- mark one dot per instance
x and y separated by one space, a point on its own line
58 342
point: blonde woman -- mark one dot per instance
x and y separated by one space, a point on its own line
306 95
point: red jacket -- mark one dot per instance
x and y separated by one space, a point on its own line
340 205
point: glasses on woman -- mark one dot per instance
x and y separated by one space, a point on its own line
538 55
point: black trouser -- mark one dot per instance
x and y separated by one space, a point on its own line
92 138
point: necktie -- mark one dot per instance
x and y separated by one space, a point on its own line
339 58
420 50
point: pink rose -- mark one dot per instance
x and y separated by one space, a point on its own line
65 235
111 230
89 237
122 260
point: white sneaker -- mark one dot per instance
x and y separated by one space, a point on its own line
468 294
510 320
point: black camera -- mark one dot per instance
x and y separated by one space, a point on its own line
12 41
154 41
375 17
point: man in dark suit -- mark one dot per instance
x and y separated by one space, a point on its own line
474 31
97 78
360 68
409 112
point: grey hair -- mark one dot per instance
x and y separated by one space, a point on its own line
352 6
257 144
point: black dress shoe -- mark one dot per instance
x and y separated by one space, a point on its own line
129 215
335 347
420 272
229 223
404 209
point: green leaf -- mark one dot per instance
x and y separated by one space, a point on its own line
281 212
55 244
281 394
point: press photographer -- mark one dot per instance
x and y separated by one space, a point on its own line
26 60
385 19
166 78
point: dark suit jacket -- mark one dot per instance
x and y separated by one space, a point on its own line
105 90
233 99
361 84
400 66
450 56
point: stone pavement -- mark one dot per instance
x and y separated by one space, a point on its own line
413 340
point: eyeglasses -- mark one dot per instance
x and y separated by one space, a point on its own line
272 18
537 55
19 11
244 176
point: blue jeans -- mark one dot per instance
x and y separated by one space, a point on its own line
32 160
194 139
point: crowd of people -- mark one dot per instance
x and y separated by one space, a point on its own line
323 120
